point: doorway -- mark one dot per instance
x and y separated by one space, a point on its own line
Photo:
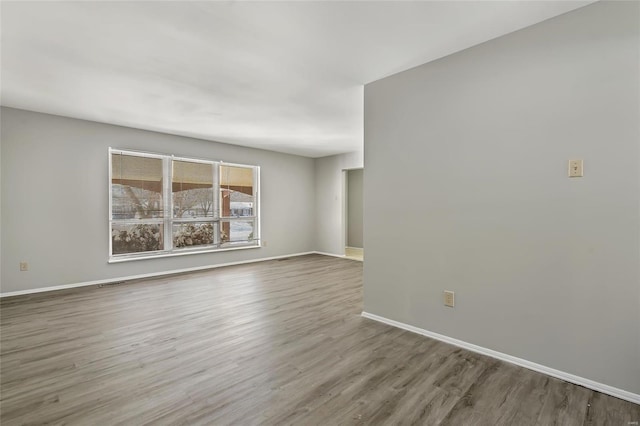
354 240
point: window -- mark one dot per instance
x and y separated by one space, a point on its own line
164 205
238 204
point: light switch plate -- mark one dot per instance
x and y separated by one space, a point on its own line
576 168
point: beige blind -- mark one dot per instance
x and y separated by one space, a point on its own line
188 175
138 172
237 178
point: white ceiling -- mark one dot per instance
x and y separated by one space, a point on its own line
284 76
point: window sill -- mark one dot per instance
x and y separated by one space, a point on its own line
178 253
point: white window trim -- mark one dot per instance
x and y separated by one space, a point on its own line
168 220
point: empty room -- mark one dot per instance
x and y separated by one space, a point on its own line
320 212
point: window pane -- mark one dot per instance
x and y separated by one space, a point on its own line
192 189
136 187
236 204
237 231
193 234
237 197
136 238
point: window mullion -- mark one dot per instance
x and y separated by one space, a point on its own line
216 203
168 203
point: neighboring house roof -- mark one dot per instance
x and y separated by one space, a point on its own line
237 196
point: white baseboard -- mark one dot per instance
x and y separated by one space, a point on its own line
330 254
587 383
149 275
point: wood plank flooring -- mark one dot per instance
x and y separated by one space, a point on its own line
273 343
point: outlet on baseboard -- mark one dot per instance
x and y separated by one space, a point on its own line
24 266
449 298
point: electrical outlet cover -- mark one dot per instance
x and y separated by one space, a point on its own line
449 298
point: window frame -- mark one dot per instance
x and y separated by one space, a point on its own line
168 220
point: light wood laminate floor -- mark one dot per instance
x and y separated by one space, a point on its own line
354 253
274 343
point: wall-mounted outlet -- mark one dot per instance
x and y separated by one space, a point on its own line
24 266
449 299
576 168
264 243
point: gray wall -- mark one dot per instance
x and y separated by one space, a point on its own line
354 208
330 207
544 267
55 199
